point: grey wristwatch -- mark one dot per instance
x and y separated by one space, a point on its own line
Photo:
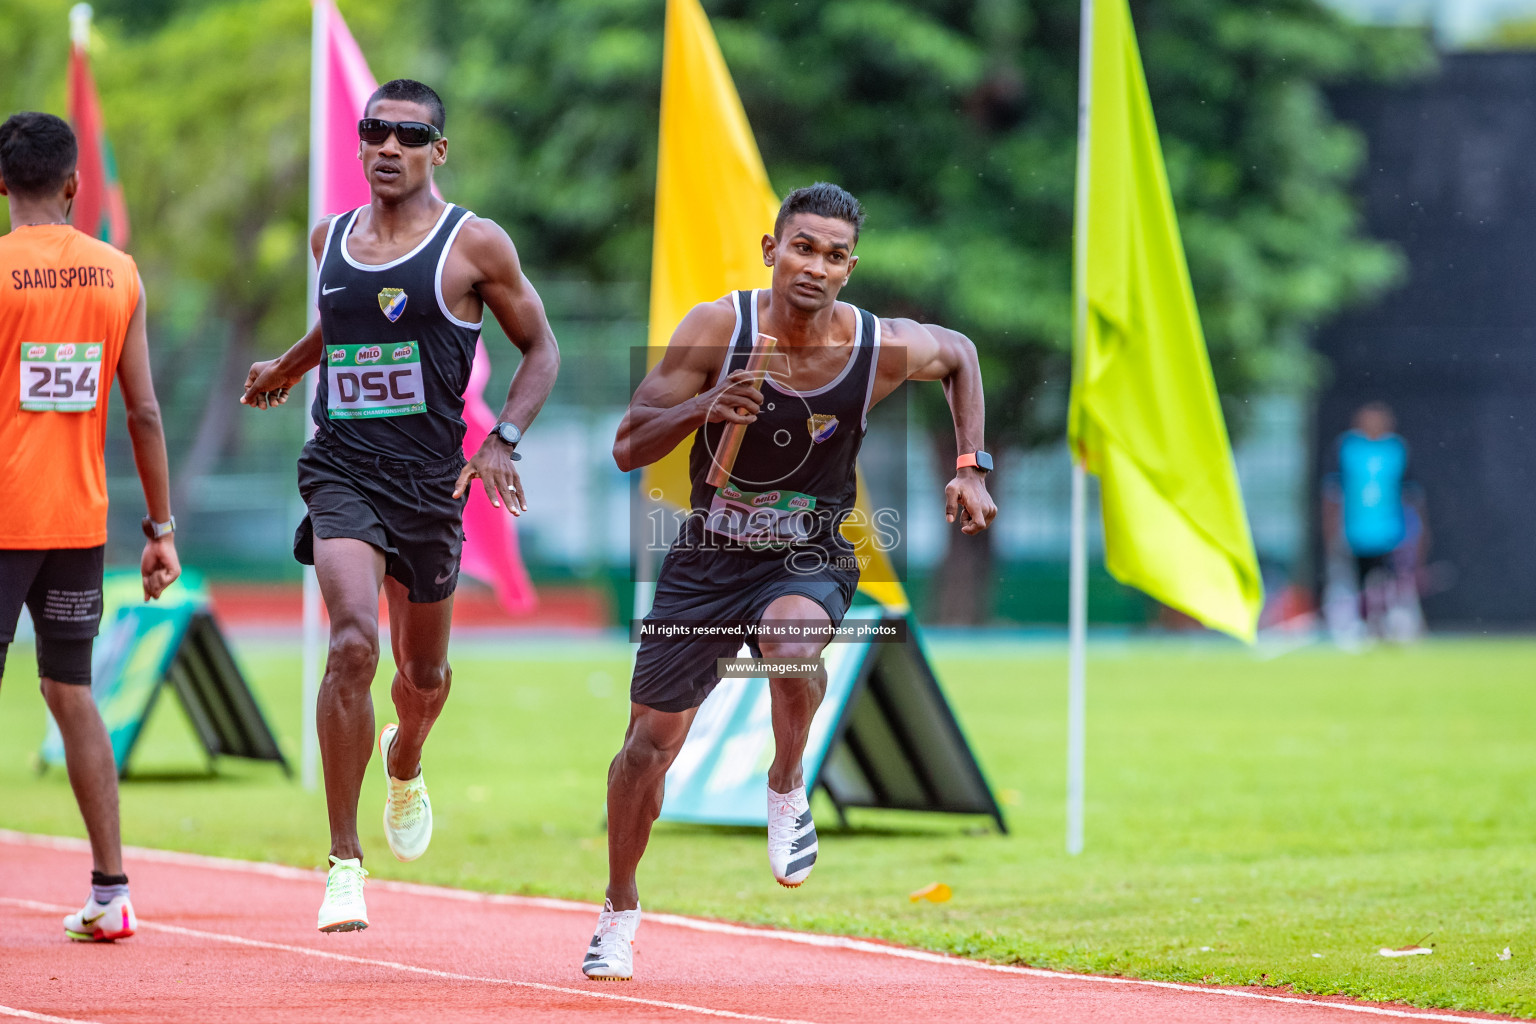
154 530
510 435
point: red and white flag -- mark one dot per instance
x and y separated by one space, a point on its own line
99 208
340 84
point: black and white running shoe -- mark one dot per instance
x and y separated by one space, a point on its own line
791 837
611 956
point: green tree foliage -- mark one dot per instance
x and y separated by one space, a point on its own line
953 119
955 122
207 114
34 51
1514 34
208 109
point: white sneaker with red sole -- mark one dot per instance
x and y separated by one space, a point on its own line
96 922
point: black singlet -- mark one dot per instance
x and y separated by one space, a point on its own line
396 361
794 478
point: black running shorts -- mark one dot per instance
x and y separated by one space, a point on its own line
405 509
702 586
62 589
1365 565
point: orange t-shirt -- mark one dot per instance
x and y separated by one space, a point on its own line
65 303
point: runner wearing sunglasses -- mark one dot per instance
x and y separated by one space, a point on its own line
402 287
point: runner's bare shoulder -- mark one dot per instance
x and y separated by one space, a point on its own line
700 341
488 247
318 234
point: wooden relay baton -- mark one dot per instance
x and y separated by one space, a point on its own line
730 441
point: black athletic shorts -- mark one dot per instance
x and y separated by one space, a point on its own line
61 587
405 509
702 586
1365 565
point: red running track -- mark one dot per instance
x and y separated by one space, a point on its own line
223 940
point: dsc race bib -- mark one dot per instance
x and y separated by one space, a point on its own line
762 520
63 377
365 381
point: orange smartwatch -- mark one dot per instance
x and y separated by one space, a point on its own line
980 460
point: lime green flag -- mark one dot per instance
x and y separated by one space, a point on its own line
1144 416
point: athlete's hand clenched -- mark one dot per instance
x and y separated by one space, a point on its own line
966 499
736 399
159 567
494 466
268 384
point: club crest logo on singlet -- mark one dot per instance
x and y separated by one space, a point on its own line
821 426
392 302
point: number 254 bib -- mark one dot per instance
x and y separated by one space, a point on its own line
60 378
366 381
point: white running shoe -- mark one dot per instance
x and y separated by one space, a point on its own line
791 837
343 909
407 810
97 922
611 956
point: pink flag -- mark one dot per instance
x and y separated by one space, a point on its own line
340 84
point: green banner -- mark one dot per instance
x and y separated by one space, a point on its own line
720 776
133 655
884 737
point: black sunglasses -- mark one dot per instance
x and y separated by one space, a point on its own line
375 131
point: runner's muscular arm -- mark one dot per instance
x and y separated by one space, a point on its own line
269 382
512 300
674 399
158 565
938 353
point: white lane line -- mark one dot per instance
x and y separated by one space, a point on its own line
11 1011
720 928
238 940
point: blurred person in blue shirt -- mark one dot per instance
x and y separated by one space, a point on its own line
1370 512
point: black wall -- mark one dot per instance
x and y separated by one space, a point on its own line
1451 179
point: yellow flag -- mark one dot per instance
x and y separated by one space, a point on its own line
713 206
1145 416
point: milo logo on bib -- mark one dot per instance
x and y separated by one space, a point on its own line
762 520
364 381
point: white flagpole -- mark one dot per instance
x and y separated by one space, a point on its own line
1077 612
80 25
310 662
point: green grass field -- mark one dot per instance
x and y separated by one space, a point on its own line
1249 821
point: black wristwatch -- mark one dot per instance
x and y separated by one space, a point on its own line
510 435
154 530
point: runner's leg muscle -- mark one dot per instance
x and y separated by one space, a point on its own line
350 572
794 700
418 636
636 780
92 770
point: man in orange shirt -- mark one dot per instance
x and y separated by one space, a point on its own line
71 318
